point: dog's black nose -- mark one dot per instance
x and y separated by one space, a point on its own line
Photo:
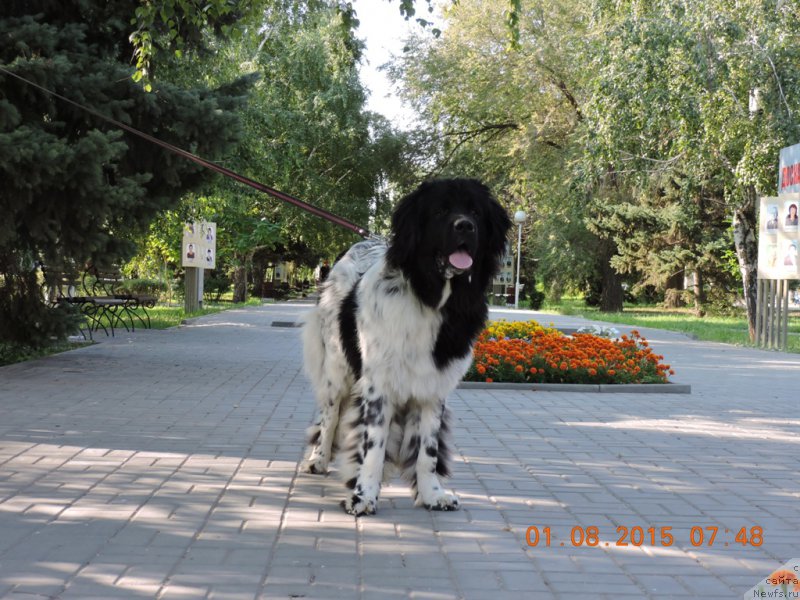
464 225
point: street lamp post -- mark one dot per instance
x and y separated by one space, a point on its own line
519 219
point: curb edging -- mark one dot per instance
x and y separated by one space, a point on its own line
601 388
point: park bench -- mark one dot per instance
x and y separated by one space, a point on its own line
63 286
107 288
99 296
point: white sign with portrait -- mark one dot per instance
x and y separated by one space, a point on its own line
199 247
778 237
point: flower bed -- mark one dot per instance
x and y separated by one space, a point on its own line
526 352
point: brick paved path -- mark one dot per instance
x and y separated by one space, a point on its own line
164 465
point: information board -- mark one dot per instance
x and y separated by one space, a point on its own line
199 245
778 238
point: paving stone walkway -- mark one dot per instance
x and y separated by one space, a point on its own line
164 465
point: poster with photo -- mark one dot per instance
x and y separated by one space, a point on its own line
779 237
789 220
789 254
199 248
772 222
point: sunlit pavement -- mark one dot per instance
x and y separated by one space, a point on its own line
163 464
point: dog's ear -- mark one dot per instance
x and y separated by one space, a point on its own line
406 226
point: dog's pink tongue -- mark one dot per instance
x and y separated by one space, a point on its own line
460 260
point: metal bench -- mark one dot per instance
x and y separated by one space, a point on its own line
99 297
63 286
107 289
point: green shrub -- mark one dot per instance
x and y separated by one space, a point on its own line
26 320
215 286
144 287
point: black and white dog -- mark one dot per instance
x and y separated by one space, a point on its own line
392 336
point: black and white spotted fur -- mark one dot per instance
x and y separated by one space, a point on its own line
392 336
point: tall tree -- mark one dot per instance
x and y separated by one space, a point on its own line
628 122
305 131
670 106
74 188
512 115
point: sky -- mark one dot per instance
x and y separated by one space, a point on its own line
384 30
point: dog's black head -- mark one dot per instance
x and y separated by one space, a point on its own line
448 229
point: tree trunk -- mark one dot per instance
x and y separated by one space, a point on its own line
673 295
699 294
240 284
612 295
744 237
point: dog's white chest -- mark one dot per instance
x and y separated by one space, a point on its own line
397 336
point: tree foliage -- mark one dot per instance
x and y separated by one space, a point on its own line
178 24
305 132
624 127
672 124
75 189
512 116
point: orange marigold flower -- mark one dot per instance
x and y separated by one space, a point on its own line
519 345
489 380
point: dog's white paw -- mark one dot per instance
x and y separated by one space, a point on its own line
443 501
315 465
359 506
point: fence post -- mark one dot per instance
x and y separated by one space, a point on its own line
785 315
759 311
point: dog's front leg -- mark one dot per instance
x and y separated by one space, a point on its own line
321 436
433 459
369 453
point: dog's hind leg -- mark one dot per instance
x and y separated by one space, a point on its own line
432 459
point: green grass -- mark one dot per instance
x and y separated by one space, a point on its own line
712 328
164 317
